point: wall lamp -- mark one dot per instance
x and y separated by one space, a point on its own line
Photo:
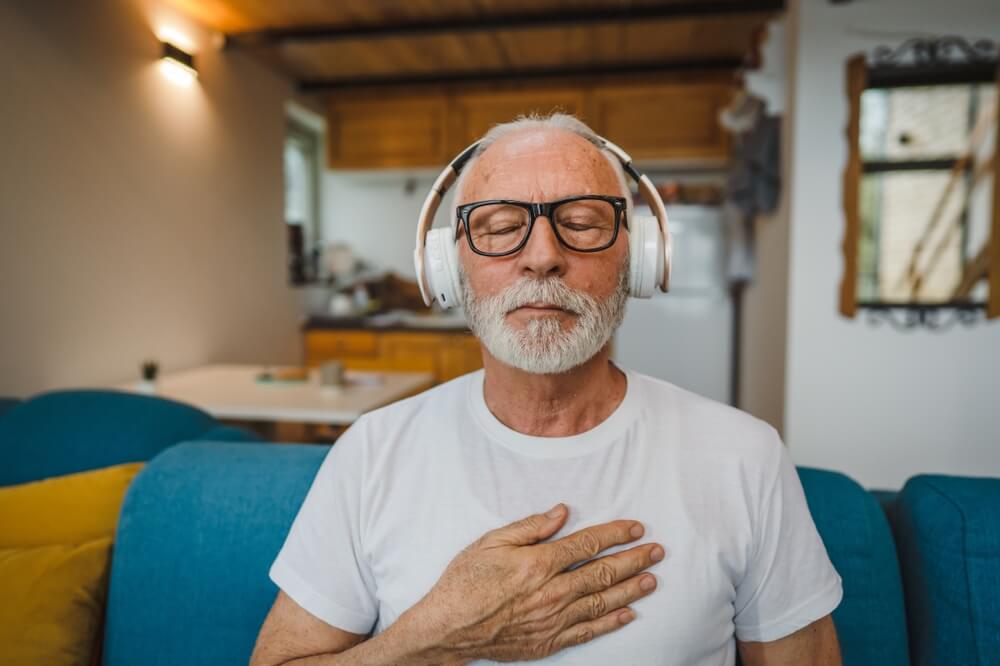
178 65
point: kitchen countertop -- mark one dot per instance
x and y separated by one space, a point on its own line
389 321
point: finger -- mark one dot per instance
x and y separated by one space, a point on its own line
528 530
602 573
599 604
585 544
588 631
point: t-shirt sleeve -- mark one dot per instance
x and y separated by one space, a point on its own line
790 581
322 565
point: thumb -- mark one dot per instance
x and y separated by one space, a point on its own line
524 532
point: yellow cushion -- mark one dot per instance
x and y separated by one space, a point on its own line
66 509
53 597
55 543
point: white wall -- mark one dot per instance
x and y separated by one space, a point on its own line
137 218
375 212
876 403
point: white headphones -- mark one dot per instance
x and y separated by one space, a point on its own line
436 254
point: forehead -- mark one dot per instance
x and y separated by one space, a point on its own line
537 165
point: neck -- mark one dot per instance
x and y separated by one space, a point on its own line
553 405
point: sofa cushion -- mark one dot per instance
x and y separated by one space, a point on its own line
198 532
67 509
7 403
53 597
949 546
54 549
870 621
61 432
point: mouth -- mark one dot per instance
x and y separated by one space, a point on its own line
541 308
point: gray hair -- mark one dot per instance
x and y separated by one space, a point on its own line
551 121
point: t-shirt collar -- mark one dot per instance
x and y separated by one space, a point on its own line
604 433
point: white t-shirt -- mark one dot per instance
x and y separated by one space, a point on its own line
410 485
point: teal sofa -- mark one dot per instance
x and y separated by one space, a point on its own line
66 431
203 521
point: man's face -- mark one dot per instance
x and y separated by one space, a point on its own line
574 299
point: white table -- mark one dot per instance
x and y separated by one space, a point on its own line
233 392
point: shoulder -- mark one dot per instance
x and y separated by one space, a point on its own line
708 426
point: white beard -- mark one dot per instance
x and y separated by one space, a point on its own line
543 347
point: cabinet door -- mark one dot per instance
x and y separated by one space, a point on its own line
413 352
460 356
339 345
393 132
663 121
475 113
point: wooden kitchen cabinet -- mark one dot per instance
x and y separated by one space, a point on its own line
394 132
446 354
472 115
665 120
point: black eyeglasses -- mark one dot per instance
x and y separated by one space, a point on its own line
499 227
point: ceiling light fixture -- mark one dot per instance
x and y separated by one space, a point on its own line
178 65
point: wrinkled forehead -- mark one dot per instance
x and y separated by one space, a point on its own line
539 164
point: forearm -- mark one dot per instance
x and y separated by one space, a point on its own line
403 642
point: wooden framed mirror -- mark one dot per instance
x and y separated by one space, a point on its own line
922 183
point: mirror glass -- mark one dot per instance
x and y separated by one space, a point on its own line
926 192
920 186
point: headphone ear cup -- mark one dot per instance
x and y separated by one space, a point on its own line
441 267
646 258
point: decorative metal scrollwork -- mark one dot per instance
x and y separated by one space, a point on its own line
943 51
907 317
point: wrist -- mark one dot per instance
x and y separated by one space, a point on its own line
421 639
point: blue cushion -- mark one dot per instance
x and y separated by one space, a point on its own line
228 433
871 620
61 432
198 531
949 547
7 403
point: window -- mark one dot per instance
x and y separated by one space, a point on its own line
302 170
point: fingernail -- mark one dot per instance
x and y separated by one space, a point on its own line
554 512
647 583
656 554
637 530
626 616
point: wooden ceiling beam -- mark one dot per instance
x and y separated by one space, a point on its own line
522 21
518 74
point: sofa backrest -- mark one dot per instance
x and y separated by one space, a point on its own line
67 431
197 533
871 619
203 521
7 403
948 533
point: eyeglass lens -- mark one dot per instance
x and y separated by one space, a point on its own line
585 224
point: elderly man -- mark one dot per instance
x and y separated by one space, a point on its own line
553 505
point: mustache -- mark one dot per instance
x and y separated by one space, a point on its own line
553 290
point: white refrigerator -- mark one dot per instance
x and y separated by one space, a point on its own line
684 336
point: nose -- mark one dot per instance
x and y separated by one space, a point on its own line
542 256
